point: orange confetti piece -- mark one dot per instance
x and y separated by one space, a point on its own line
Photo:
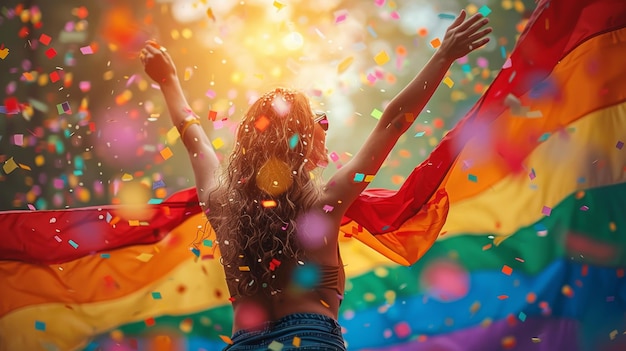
268 203
503 297
435 43
261 123
166 153
226 339
244 269
296 341
507 270
324 303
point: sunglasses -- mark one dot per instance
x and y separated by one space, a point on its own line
322 120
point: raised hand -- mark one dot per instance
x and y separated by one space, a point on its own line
463 37
157 62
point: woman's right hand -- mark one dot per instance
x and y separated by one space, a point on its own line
463 37
157 62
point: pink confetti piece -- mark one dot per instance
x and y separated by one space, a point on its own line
584 208
340 16
56 237
379 3
395 15
546 210
86 50
334 156
532 174
328 208
84 86
31 207
507 64
18 139
211 94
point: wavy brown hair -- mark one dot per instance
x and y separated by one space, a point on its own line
266 184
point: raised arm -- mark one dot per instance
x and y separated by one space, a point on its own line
349 181
160 67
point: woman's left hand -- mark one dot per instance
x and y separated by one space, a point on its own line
463 37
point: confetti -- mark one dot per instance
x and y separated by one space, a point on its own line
376 113
484 10
546 211
296 341
51 53
278 5
166 153
446 16
435 43
217 143
156 295
345 64
45 39
472 178
275 346
381 58
144 257
86 50
448 81
9 166
619 145
39 325
507 270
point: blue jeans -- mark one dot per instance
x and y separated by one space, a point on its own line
315 331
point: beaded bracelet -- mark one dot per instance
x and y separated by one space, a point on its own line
188 121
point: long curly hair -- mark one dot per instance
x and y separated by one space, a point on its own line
266 184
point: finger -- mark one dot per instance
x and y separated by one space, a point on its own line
480 43
477 26
152 50
459 19
475 18
478 35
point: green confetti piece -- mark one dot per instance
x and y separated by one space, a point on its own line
472 178
156 295
376 113
40 325
207 242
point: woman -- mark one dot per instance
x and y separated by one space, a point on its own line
276 223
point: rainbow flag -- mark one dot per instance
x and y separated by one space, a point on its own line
508 235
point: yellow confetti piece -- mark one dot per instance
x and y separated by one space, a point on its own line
144 257
369 178
172 135
209 12
126 177
475 307
217 143
9 166
535 340
381 58
324 303
23 166
39 160
278 5
435 43
226 339
188 73
448 81
133 222
345 64
296 341
244 269
166 153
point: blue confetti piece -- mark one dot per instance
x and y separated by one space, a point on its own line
419 134
109 217
384 228
522 316
154 201
472 178
196 252
358 177
293 141
207 242
544 137
446 16
372 32
484 10
503 52
40 325
158 184
581 180
74 244
105 255
156 295
539 227
466 68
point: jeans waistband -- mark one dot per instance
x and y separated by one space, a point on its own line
293 319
